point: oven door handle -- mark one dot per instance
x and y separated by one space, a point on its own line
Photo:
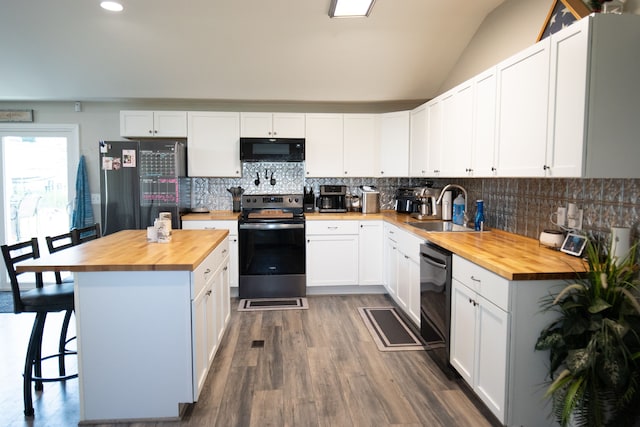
434 262
265 226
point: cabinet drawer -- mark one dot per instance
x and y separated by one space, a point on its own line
205 224
205 272
489 285
332 227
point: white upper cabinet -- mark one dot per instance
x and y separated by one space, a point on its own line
272 125
152 124
594 124
457 131
393 137
435 134
324 145
213 146
523 98
484 124
418 142
360 154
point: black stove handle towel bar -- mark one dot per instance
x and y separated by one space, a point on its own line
268 226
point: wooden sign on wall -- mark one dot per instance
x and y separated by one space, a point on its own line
19 116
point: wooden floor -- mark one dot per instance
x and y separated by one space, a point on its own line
318 367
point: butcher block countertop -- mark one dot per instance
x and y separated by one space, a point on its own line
128 250
509 255
211 216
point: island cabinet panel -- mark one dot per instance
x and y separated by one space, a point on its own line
146 339
134 340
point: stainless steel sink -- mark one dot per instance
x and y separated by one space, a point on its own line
440 226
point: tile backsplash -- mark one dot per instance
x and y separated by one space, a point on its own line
518 205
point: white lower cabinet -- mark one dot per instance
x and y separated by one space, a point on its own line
332 253
402 269
210 310
479 345
232 226
370 253
494 326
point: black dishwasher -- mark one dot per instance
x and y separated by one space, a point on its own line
435 301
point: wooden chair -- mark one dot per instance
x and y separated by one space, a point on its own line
42 300
84 234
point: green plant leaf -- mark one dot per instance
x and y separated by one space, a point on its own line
598 306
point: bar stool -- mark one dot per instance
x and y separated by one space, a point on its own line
41 301
55 244
84 234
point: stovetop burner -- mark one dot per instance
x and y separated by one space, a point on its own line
272 207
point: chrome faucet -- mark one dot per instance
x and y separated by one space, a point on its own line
448 186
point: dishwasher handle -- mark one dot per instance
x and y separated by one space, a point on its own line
433 261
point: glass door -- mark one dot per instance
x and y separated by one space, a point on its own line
39 164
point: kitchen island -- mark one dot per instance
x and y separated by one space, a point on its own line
149 317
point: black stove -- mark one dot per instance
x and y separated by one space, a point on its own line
272 208
272 246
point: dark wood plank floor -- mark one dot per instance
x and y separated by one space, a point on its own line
318 367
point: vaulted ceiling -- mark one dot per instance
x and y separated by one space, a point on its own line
274 50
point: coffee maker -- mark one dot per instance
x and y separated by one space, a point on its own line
332 198
406 200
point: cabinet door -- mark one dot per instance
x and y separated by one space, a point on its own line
568 92
170 124
332 260
136 123
484 124
523 95
371 254
393 138
391 267
404 281
199 331
457 119
418 142
491 365
256 125
289 125
414 291
360 153
214 144
324 145
463 330
434 136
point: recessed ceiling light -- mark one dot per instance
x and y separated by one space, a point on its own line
113 6
350 8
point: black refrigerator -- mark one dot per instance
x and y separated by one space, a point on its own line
139 179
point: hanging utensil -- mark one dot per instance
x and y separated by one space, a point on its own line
272 181
257 181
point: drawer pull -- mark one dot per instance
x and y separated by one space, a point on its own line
224 251
226 267
209 228
475 280
333 228
207 271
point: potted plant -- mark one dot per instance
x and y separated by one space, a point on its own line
594 344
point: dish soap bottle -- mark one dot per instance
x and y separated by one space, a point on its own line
479 221
458 210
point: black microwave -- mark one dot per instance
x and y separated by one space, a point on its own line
272 149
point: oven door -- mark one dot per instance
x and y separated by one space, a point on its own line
272 259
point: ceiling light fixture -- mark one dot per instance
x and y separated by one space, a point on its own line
112 6
350 8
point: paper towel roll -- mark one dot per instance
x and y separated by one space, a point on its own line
620 242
